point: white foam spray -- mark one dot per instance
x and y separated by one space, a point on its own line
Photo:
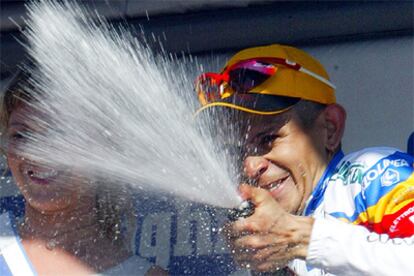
110 109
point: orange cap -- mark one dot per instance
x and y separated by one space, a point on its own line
311 82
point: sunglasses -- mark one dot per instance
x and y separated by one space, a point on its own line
243 76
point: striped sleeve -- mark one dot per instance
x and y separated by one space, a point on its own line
383 199
393 212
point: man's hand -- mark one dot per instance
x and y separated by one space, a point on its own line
271 237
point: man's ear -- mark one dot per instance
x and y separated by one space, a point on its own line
335 116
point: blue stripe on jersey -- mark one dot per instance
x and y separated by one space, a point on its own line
4 267
319 191
345 216
385 175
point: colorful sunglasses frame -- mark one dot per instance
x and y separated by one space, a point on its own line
225 77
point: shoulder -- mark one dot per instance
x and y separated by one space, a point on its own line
366 181
381 166
384 168
371 156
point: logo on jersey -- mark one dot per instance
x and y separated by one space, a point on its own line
407 214
349 173
390 177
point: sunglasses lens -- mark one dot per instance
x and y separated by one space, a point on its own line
208 89
244 78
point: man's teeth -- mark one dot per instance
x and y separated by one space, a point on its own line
276 184
43 175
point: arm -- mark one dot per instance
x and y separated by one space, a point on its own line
346 249
381 241
271 237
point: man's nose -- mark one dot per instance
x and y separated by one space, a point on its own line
255 166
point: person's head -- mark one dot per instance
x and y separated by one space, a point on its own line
45 189
293 125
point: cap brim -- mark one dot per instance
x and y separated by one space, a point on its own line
260 104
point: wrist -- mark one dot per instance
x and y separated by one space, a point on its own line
300 235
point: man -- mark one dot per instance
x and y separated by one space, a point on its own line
316 210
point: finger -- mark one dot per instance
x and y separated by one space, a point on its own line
271 266
262 266
245 191
266 219
258 241
242 255
240 227
257 196
257 223
235 230
272 253
265 260
272 259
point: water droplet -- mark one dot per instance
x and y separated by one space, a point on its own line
107 132
144 136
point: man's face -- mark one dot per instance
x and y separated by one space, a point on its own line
284 158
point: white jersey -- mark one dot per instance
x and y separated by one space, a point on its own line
364 216
14 261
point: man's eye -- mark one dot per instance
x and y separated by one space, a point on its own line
18 136
232 149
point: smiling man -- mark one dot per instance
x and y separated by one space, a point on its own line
316 210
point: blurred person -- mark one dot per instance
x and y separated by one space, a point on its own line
71 225
410 144
317 210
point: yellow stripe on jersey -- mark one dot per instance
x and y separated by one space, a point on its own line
391 202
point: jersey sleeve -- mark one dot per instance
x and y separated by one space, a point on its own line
344 249
389 197
383 195
373 193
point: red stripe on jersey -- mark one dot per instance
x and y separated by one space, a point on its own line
397 225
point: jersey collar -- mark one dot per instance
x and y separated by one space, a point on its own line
317 194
